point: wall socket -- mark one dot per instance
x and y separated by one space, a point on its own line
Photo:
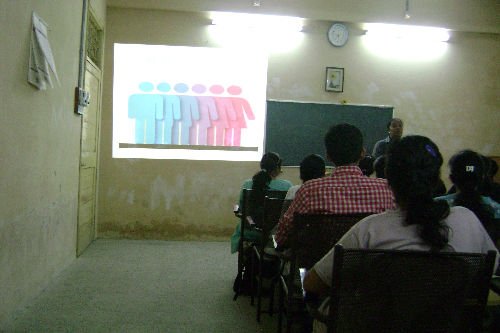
82 99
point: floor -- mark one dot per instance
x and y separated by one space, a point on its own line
144 286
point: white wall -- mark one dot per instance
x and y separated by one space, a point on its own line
40 151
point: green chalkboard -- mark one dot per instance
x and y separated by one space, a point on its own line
296 129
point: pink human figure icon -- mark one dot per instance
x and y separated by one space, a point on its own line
241 108
225 112
208 113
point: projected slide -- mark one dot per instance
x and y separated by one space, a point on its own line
177 102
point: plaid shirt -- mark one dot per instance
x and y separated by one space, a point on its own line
346 191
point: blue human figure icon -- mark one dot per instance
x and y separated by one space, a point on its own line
145 109
171 112
208 113
225 111
241 108
189 113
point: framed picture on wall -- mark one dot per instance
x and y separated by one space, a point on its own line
334 79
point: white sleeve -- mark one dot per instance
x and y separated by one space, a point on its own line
325 265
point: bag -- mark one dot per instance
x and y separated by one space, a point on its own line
242 284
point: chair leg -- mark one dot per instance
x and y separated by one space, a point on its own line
280 307
239 275
271 296
259 291
252 278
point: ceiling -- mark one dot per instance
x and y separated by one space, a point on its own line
458 15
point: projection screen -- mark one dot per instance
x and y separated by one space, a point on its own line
194 103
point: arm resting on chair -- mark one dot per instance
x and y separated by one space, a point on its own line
314 284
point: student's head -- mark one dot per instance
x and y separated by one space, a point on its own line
490 168
395 128
270 168
312 167
366 165
412 167
412 170
492 171
271 163
344 144
466 170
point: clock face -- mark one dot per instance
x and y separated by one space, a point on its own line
338 34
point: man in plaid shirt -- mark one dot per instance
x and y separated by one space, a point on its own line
346 190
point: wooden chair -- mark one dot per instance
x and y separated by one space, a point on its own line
312 236
408 291
264 253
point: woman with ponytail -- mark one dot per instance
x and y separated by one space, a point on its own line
262 181
467 172
418 222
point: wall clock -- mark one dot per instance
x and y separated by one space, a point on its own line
338 34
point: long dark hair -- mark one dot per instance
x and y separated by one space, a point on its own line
467 172
412 170
269 165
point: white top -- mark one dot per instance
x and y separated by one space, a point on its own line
291 192
387 231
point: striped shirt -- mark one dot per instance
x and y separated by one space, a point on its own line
346 191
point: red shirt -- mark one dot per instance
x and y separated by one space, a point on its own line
346 191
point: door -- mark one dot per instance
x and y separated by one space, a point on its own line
86 230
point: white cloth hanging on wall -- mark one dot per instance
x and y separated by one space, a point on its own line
41 58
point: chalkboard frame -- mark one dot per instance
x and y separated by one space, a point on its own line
296 129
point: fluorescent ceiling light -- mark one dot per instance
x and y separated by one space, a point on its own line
407 32
259 22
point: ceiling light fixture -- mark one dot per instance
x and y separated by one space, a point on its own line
408 33
260 22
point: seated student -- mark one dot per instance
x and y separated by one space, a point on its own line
265 179
490 188
366 165
467 172
345 191
418 223
312 166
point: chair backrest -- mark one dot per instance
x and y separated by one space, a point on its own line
245 212
408 291
276 194
258 212
313 235
272 214
246 202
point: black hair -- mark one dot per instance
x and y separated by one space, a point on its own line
467 172
493 168
344 143
366 165
412 170
312 166
394 119
269 165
